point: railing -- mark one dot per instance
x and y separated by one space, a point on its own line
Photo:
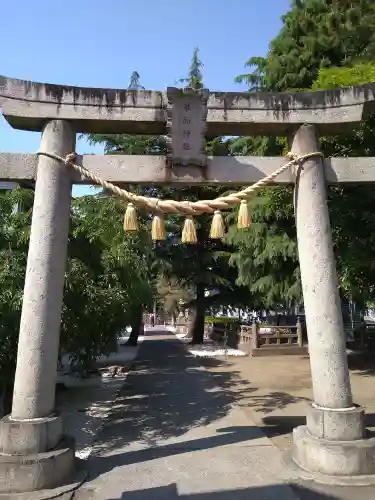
210 330
264 336
226 334
250 337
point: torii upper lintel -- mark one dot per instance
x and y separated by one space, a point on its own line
27 105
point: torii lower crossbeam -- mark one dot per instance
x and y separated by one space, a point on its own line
220 170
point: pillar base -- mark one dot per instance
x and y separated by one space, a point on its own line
332 461
343 424
27 437
51 469
65 491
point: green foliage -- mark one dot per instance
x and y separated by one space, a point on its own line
107 275
14 234
322 44
332 78
130 144
315 34
107 278
194 79
199 267
351 207
224 320
257 79
134 82
265 254
172 293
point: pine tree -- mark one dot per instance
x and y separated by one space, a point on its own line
195 77
134 82
203 266
315 34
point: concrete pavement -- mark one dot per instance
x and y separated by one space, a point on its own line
175 432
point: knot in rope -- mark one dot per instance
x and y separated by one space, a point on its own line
292 156
70 158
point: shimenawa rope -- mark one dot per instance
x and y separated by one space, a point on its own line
187 208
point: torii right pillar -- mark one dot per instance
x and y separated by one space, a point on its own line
332 446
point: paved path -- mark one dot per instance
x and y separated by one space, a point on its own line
276 392
176 433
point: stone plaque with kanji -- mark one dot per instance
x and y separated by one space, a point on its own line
187 124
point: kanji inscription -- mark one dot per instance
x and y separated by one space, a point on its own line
188 123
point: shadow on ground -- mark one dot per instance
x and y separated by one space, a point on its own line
284 424
274 400
274 492
362 363
169 392
264 403
166 394
226 436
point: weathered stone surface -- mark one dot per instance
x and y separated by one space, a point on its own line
25 437
334 458
331 444
34 385
294 350
64 492
327 348
26 105
186 126
39 471
344 425
61 112
237 170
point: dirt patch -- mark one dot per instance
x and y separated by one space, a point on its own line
280 390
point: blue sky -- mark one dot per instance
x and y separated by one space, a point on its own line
98 44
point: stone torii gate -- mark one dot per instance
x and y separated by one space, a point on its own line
34 453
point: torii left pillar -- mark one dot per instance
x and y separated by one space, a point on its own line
34 453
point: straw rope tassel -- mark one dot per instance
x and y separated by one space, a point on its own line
244 219
189 234
217 227
130 219
158 228
177 207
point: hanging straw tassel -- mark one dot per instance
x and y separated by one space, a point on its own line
244 219
130 219
189 234
158 228
217 227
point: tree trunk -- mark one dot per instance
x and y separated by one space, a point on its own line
137 327
6 399
197 327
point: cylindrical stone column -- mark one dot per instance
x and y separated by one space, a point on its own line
35 379
327 345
